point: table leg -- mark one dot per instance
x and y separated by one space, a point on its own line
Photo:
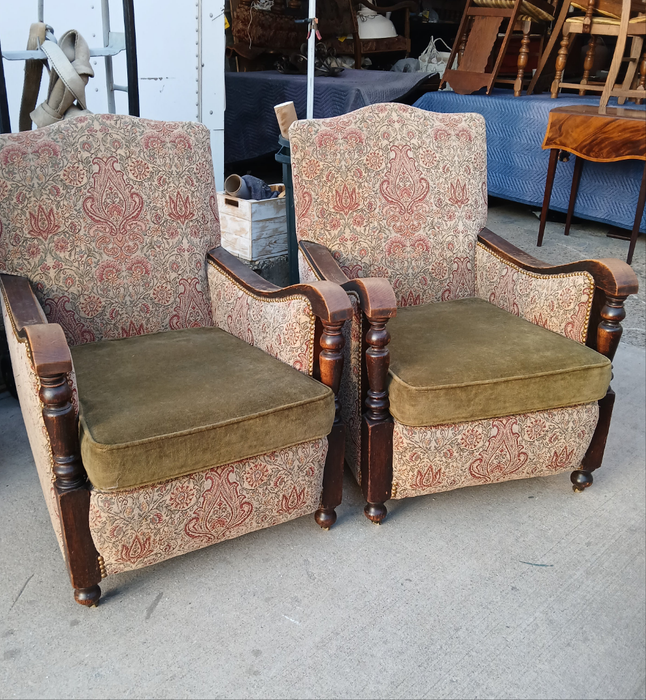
576 178
638 217
549 183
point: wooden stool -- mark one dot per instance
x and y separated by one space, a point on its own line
602 138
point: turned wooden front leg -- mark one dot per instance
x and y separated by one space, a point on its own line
608 335
377 426
609 330
71 488
331 369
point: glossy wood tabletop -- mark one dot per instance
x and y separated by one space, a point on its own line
618 135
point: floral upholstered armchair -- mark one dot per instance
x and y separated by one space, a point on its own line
172 398
499 365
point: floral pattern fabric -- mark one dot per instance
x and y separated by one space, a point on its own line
395 192
110 217
284 329
145 525
28 388
350 389
446 457
560 303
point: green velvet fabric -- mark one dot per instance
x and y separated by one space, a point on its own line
466 360
158 406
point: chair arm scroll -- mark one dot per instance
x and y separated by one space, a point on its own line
328 302
48 346
375 294
613 276
614 281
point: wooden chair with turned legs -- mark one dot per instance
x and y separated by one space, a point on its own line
601 20
478 35
467 361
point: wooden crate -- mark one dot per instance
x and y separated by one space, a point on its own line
253 229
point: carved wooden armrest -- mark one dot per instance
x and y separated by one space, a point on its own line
47 344
376 295
378 303
52 363
328 302
614 281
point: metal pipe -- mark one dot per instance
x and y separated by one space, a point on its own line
5 123
311 51
109 74
131 57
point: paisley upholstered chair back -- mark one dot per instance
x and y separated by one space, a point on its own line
110 217
396 192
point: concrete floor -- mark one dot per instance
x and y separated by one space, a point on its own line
517 590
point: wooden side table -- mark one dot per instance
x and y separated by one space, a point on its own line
602 138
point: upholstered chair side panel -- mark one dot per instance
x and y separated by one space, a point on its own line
110 217
446 457
560 303
283 328
350 391
395 192
137 527
28 387
305 271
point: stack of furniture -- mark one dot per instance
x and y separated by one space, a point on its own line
479 61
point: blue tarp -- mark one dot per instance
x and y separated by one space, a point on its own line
251 129
517 165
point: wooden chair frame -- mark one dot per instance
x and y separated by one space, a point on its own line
567 29
614 282
474 47
52 363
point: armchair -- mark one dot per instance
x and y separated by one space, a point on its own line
172 398
499 365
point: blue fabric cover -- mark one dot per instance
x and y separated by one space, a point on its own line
250 127
517 165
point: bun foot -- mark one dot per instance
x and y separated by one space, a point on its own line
580 480
87 596
325 517
375 512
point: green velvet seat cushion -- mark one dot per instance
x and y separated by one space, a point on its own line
158 406
466 360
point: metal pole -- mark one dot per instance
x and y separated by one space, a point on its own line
109 75
311 51
5 123
131 57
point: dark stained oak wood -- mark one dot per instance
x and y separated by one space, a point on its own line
71 487
25 308
376 295
377 426
330 370
329 302
378 304
614 281
52 362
